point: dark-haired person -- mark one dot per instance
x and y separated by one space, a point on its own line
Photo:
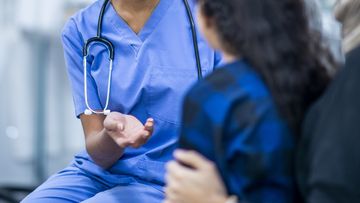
329 155
241 124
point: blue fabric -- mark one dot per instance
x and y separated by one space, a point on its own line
76 184
231 118
152 72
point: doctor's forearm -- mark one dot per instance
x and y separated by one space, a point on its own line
103 150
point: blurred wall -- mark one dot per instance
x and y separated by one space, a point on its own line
38 130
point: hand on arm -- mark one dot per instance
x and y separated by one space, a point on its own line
107 137
197 182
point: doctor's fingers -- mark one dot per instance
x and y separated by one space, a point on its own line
120 141
134 141
149 125
139 139
113 125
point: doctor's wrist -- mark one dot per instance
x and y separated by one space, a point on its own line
106 135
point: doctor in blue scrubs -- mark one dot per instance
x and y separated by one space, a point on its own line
153 66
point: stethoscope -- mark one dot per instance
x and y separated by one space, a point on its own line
99 39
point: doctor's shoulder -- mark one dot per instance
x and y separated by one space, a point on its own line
83 21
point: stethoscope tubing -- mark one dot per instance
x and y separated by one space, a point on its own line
110 47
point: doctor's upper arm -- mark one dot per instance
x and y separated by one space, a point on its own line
73 43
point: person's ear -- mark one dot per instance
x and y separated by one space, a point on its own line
206 22
209 22
207 26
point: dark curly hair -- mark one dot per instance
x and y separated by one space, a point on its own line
275 38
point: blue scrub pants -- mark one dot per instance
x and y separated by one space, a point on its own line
83 181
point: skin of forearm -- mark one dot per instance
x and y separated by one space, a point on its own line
103 150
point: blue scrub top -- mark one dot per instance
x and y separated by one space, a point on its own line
152 72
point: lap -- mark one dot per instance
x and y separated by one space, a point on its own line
134 192
69 185
74 185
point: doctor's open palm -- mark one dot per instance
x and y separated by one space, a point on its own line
127 130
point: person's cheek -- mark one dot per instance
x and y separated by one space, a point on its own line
207 28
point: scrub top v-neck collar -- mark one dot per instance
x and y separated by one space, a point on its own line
121 26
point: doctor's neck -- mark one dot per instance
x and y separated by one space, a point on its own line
135 5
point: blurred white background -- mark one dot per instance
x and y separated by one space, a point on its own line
39 133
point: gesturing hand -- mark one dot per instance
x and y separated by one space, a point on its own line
128 131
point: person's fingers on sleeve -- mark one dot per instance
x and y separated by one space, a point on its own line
171 176
169 200
171 196
180 172
170 191
193 159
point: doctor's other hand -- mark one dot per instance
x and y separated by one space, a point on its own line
127 130
193 178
